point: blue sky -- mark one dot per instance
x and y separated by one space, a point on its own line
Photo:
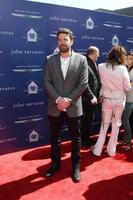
91 4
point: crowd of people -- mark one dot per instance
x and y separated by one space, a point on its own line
76 86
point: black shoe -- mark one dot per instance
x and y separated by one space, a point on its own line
52 171
76 175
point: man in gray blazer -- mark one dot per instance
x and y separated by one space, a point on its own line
66 78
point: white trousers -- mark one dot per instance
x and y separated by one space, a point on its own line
111 114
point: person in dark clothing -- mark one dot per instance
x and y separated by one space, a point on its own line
89 105
66 78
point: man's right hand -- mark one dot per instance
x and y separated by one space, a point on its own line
94 101
63 104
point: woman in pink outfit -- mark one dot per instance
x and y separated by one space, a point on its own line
115 82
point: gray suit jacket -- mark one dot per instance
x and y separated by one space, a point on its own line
71 87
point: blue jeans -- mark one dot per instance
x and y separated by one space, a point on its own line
125 122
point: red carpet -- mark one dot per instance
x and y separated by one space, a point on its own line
104 178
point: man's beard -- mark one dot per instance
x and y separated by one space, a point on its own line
64 49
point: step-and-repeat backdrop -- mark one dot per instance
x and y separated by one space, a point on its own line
27 35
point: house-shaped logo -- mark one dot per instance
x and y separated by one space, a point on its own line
89 23
115 40
32 88
31 35
33 136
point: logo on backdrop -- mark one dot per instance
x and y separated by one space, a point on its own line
27 14
129 27
62 19
32 35
4 33
26 52
7 89
89 23
27 68
27 104
8 140
28 119
33 88
33 136
91 37
130 40
112 24
115 40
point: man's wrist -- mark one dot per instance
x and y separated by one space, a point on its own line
57 100
94 100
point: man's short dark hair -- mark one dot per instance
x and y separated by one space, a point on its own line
67 31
